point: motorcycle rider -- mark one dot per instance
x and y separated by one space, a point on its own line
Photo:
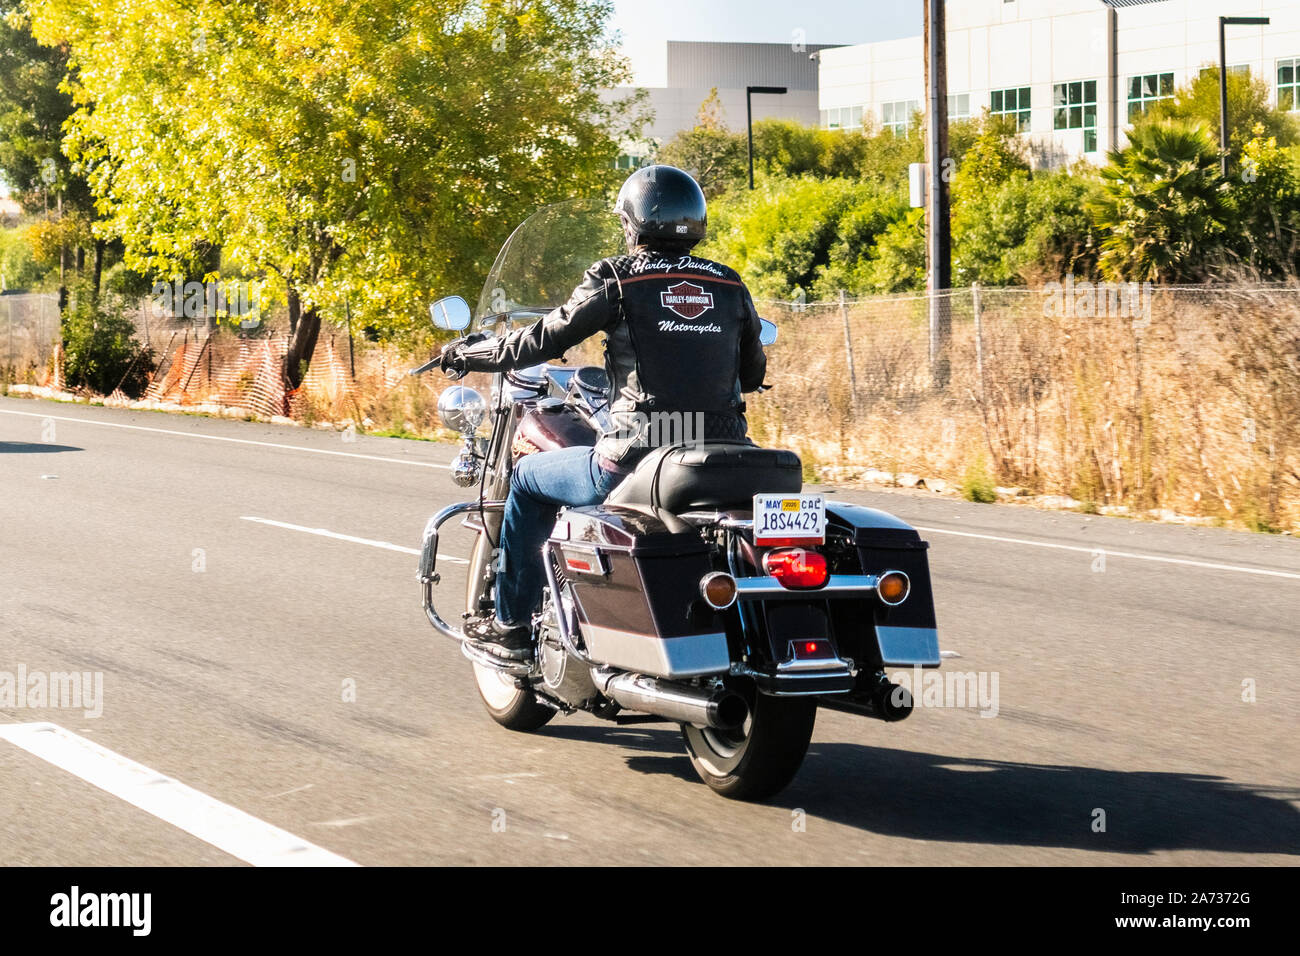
682 339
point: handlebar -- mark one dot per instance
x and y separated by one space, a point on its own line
427 366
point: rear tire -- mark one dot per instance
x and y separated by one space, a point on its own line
511 706
760 759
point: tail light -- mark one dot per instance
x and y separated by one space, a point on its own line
796 568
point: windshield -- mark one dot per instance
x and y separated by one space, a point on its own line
544 258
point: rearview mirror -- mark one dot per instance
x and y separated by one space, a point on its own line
451 313
768 334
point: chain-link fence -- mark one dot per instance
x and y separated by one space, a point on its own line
1119 399
29 335
1127 398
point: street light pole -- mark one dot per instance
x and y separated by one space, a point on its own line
749 120
1223 83
938 238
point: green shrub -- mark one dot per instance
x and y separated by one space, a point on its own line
101 352
977 483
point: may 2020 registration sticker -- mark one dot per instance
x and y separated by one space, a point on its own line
782 517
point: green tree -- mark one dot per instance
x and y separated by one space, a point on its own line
33 110
1248 107
898 260
1023 227
1265 198
374 152
811 235
988 151
1161 204
711 153
788 147
788 234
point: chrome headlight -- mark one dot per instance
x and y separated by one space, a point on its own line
462 409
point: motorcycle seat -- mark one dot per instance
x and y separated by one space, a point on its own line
709 477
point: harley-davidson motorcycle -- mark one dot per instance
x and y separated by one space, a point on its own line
708 589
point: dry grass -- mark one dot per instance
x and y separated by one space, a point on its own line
1197 413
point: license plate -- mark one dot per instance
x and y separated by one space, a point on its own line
789 519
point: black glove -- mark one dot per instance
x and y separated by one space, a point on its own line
452 357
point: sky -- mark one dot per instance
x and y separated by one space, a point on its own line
646 25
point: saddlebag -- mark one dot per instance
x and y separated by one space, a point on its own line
635 575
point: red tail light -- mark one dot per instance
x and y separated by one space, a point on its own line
796 568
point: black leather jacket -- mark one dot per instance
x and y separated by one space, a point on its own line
681 346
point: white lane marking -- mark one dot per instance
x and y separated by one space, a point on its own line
326 533
1115 554
237 441
228 829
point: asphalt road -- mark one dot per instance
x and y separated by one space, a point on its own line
286 677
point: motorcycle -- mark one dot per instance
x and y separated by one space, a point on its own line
708 590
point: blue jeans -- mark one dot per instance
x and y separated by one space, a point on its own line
541 482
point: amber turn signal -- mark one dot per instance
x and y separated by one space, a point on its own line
893 587
718 590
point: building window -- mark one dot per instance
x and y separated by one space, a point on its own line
1014 103
958 106
843 117
1241 68
897 117
1074 106
1148 89
1288 84
628 161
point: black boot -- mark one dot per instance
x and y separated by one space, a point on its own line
511 642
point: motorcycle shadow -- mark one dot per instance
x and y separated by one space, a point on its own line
33 448
944 798
930 796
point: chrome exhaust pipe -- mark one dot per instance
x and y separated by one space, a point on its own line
721 709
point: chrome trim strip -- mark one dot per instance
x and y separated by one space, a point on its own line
810 666
691 655
837 585
908 646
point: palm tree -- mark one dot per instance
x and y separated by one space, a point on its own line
1161 203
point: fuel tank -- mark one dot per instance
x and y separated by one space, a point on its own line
552 424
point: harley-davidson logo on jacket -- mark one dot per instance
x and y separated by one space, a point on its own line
687 299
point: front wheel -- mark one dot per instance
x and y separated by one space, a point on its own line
759 759
511 706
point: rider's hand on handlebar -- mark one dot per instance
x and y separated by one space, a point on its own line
452 357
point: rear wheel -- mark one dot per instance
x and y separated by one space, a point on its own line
511 706
759 759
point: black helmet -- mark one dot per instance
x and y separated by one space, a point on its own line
661 206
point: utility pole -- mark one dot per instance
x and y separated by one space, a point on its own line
938 242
